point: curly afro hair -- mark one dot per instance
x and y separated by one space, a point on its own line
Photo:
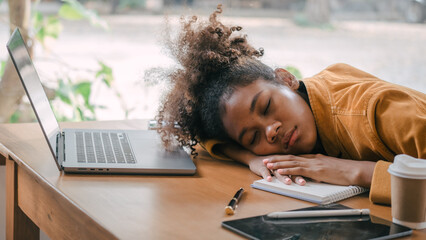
213 63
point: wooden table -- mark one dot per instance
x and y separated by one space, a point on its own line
75 206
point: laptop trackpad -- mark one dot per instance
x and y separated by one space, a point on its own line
150 152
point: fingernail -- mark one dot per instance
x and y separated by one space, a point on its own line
287 180
265 161
268 178
270 165
301 181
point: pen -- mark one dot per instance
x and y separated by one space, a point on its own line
319 213
230 209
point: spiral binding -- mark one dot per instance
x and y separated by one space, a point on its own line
352 191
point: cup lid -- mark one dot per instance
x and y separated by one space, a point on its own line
408 167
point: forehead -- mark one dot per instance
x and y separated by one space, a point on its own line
241 98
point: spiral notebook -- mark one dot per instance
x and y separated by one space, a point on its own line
321 193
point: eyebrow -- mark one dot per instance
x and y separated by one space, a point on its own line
252 106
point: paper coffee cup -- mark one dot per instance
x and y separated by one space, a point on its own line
408 190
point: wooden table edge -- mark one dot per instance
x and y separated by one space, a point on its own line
4 153
23 210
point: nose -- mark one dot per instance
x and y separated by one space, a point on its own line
272 131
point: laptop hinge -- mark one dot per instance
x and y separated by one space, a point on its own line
60 149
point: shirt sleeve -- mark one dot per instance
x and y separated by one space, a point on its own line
211 147
380 190
400 118
401 122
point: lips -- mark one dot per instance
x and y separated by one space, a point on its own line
289 138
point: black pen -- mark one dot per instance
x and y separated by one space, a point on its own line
230 209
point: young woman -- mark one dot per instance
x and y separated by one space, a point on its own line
342 126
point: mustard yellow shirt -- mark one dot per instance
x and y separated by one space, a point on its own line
361 117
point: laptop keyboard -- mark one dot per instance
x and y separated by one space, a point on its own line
103 147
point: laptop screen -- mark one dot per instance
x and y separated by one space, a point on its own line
32 85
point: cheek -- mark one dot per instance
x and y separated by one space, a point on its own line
264 148
231 123
227 124
298 110
309 130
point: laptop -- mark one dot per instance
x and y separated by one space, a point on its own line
92 150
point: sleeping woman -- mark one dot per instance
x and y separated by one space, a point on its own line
342 126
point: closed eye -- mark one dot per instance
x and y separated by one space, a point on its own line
267 107
254 138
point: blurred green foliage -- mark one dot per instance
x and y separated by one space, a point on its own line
2 67
46 26
301 20
76 94
73 10
51 26
295 71
131 3
105 73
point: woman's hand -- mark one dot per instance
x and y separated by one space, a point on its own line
257 166
256 163
323 168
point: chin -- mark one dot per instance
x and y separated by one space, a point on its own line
299 150
307 146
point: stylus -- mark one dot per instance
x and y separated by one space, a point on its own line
320 213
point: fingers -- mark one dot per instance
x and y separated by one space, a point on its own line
283 178
283 158
286 162
280 158
286 171
288 180
266 174
299 180
282 170
295 171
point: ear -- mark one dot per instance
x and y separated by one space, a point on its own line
285 77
